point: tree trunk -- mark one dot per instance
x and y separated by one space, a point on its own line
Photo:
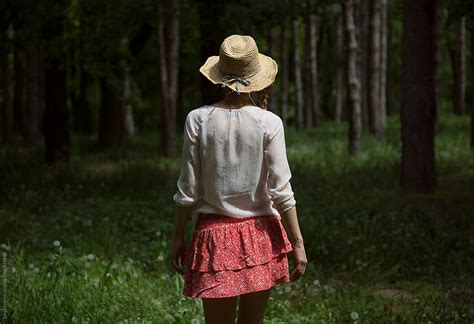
373 58
85 122
352 80
111 119
460 69
7 90
55 119
34 91
284 74
361 23
168 44
383 66
437 62
211 39
312 114
19 91
340 69
472 81
126 86
390 90
297 75
271 51
80 105
418 171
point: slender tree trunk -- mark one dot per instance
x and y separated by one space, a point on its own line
7 90
339 69
19 99
460 69
126 86
55 120
112 126
34 93
284 74
472 81
383 65
361 22
437 63
168 43
85 124
352 81
312 114
211 39
297 75
80 106
418 98
374 69
271 52
390 90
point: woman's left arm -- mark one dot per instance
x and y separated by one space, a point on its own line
188 189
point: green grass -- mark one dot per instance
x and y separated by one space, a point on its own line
91 243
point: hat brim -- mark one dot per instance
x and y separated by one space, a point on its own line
262 79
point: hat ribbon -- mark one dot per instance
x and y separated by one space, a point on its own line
230 79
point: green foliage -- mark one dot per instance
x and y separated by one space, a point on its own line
91 243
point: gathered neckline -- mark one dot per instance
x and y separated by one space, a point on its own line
231 108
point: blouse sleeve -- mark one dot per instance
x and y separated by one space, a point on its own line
189 178
279 174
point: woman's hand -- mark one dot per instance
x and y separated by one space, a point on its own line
300 261
178 249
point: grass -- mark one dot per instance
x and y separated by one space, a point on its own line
91 243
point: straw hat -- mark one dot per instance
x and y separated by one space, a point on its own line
240 66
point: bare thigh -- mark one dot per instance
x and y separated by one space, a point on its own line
220 310
252 307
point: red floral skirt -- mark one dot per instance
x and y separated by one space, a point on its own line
232 256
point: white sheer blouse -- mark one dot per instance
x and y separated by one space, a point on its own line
234 163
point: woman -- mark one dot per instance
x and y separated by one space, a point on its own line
234 164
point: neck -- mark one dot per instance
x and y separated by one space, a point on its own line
232 99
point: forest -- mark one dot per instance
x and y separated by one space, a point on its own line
377 99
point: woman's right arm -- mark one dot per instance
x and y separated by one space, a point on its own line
281 193
289 220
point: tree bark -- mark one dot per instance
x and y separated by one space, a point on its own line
437 62
126 89
55 120
339 70
168 46
352 80
111 126
211 39
297 75
312 114
19 91
472 81
34 93
383 65
7 90
284 74
460 68
361 22
418 171
373 102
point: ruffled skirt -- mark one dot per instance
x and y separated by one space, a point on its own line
232 256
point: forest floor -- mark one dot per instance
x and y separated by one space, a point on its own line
91 242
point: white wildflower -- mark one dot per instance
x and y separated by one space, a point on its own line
56 243
354 315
